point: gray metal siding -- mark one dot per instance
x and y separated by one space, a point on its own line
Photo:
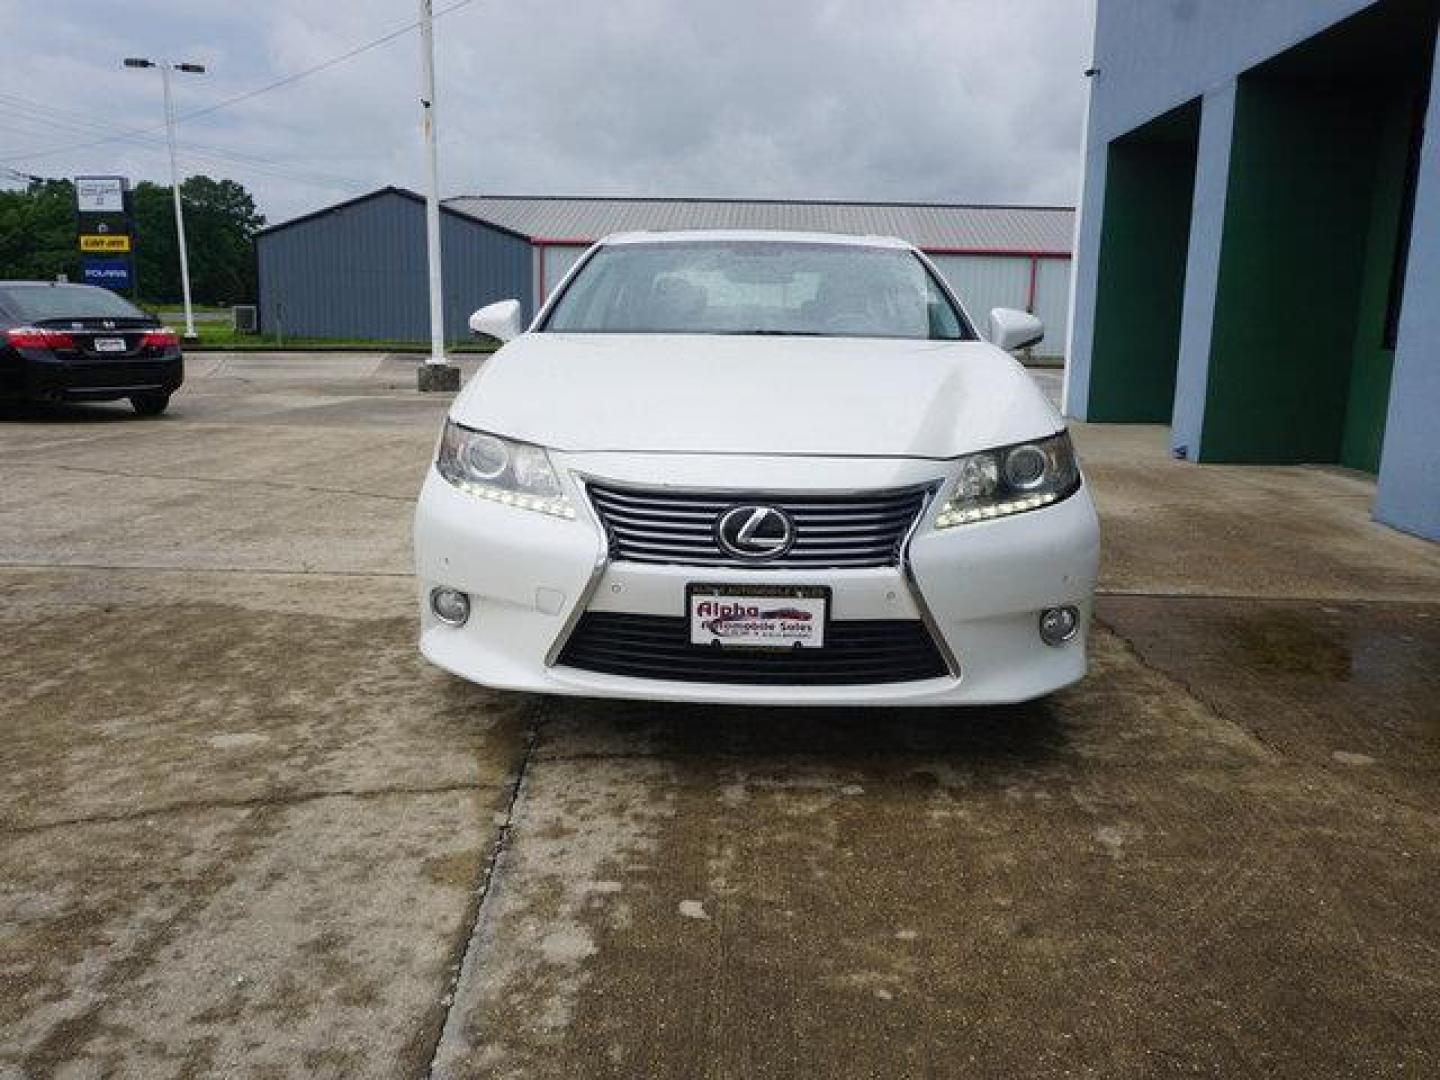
559 258
972 228
984 282
360 272
1052 305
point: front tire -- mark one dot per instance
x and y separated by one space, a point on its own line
149 404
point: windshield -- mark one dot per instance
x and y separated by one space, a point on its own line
36 302
756 287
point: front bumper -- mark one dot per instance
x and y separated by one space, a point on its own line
979 589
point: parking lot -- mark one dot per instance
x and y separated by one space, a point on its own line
247 831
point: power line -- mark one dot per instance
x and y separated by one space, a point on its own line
247 95
17 108
29 178
322 66
53 117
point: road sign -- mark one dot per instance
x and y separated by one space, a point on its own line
100 194
112 273
112 243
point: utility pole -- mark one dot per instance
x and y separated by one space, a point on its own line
166 67
437 373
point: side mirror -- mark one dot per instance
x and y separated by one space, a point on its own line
499 320
1011 329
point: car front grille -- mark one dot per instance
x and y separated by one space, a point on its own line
679 527
856 653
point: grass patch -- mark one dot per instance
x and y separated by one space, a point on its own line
222 336
177 313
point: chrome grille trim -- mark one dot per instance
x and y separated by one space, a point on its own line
832 530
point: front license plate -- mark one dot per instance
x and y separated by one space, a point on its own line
109 344
758 616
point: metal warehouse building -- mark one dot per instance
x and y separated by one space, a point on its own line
357 269
1259 248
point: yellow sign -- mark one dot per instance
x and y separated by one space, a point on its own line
111 242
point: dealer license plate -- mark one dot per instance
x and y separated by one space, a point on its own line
758 616
109 344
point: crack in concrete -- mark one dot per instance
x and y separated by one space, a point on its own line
464 951
1272 752
1276 754
279 484
269 800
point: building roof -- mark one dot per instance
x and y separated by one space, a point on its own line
379 193
1047 230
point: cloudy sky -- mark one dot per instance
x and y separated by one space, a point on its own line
923 100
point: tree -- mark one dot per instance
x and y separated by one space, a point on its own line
157 259
220 226
222 255
38 229
37 232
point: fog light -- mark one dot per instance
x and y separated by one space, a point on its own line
1058 625
451 606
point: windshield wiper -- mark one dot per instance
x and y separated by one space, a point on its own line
760 332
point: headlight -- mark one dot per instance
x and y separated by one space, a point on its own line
501 470
1010 480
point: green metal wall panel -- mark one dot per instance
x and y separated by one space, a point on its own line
1150 180
1297 218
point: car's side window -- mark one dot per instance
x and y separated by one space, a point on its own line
944 322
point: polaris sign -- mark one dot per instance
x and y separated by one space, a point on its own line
109 273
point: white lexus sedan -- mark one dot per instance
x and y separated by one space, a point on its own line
756 467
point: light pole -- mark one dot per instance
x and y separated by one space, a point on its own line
166 67
436 373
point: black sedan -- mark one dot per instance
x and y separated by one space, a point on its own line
61 342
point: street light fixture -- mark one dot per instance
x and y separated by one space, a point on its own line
166 67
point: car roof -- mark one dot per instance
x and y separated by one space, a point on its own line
774 236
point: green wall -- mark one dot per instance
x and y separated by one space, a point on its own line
1149 184
1369 394
1297 226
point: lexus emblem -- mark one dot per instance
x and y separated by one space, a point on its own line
755 532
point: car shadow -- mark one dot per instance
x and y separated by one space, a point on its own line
69 412
1033 734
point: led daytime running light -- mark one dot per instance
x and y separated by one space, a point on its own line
560 508
947 518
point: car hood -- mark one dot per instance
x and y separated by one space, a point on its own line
685 393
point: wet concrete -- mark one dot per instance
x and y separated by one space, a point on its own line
246 831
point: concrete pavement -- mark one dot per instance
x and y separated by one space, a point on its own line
246 831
